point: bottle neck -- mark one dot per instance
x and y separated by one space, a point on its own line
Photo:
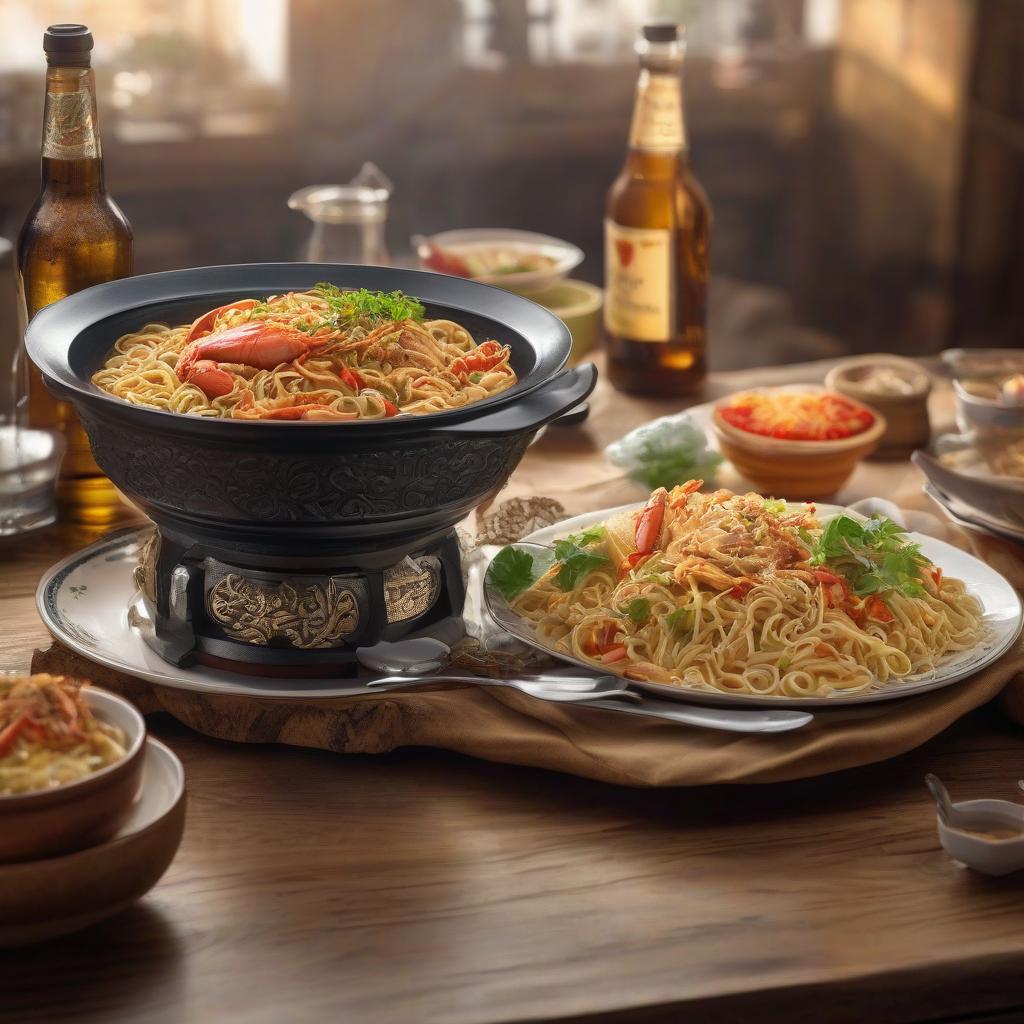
72 158
658 132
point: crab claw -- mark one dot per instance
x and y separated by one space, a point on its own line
205 323
211 379
648 524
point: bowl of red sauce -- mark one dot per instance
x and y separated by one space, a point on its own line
797 442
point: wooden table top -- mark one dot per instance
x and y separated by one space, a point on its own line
424 886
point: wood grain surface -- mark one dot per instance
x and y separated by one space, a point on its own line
423 886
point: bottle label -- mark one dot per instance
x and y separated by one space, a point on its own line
69 131
638 282
658 115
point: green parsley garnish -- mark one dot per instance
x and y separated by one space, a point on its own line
639 610
875 557
362 304
681 618
512 571
575 562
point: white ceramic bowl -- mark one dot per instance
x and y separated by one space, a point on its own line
987 855
465 242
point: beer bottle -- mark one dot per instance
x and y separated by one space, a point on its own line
657 235
74 236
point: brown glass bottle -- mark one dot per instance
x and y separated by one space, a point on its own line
657 238
74 236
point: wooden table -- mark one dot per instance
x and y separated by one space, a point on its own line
423 886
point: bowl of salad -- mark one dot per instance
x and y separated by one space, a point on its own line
521 261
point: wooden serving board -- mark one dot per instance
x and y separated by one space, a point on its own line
506 726
368 724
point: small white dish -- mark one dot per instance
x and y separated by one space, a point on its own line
986 835
482 242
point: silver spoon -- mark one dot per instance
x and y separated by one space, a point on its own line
941 795
418 655
756 720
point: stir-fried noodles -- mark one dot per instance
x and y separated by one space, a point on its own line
49 735
748 595
324 354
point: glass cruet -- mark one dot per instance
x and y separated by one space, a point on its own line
349 221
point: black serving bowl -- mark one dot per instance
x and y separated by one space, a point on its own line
274 486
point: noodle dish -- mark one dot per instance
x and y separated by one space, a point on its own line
742 595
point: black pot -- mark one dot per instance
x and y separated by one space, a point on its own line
341 480
305 496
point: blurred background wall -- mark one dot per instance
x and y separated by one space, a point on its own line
865 158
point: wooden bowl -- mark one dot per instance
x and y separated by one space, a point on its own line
72 816
906 413
795 470
41 899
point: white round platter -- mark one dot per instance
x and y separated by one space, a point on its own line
84 602
1001 603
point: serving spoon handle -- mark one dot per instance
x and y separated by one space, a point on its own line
569 690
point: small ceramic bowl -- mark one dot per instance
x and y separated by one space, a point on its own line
578 305
483 243
987 419
988 835
898 388
78 814
795 470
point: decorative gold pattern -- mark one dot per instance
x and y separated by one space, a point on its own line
411 587
144 574
315 615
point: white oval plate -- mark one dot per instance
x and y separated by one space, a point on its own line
1002 606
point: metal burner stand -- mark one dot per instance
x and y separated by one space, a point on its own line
256 610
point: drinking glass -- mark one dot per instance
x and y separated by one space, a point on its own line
29 459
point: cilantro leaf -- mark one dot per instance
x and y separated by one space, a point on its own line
576 563
639 610
512 571
875 556
591 535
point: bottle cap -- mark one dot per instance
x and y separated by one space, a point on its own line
661 32
67 45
